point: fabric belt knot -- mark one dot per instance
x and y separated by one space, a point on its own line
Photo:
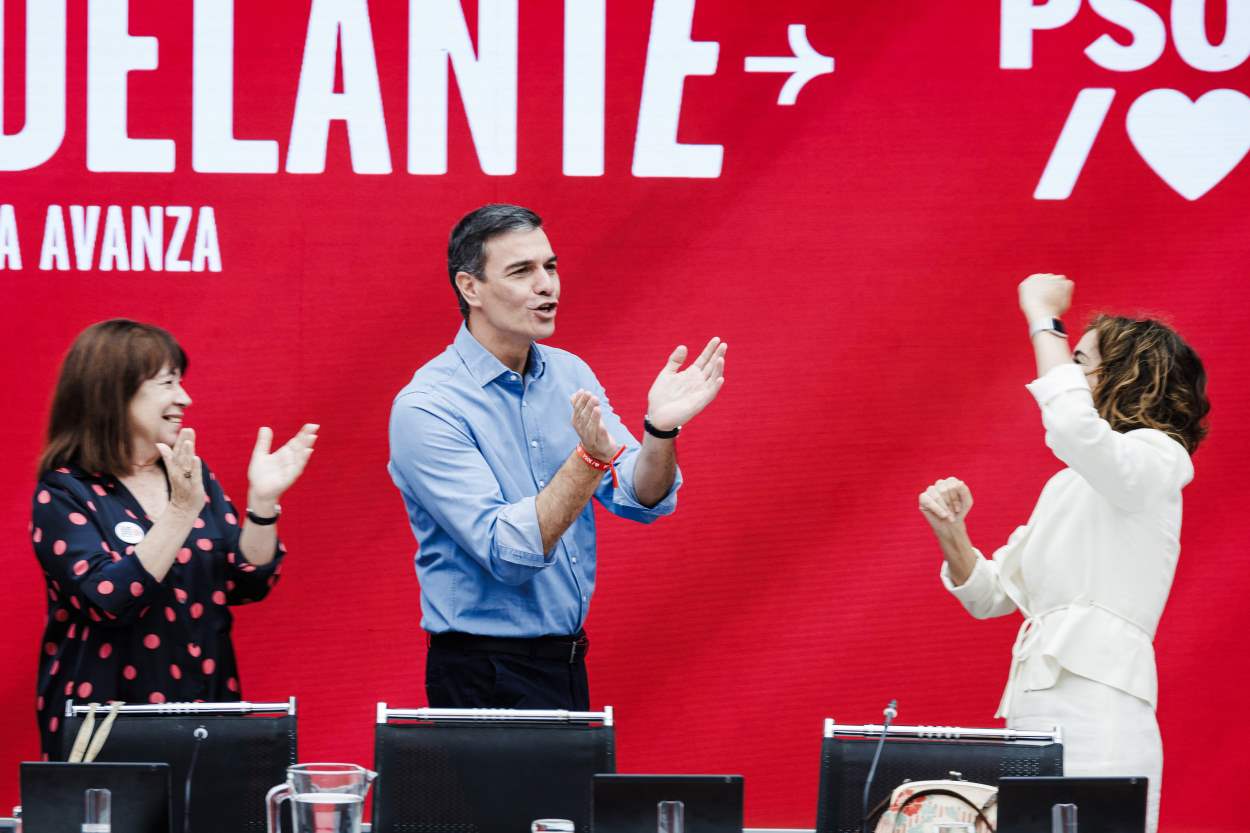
1026 638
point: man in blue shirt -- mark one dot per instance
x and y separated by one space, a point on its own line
497 446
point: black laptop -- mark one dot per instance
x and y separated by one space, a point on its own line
54 796
1104 805
631 803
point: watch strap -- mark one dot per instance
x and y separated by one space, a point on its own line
1047 325
261 520
656 432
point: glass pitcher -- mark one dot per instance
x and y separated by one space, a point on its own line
325 798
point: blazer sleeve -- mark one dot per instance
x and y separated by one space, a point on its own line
1133 470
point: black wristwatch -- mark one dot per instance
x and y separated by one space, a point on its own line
656 432
260 520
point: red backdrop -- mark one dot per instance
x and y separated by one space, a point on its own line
858 249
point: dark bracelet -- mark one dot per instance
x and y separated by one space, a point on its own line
260 520
656 432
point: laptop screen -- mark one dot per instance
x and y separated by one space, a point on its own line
54 796
632 803
1106 805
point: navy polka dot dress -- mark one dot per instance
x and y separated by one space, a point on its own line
116 633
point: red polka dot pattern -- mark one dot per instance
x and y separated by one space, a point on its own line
183 657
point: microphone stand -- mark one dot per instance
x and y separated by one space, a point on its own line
890 712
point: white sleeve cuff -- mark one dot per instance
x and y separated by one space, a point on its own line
980 584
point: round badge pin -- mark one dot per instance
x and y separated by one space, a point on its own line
129 532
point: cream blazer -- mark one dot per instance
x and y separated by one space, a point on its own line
1091 570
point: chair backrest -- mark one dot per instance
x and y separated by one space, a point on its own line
916 753
487 770
244 750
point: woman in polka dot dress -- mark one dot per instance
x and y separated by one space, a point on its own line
141 550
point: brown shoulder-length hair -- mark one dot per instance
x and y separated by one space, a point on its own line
90 421
1150 378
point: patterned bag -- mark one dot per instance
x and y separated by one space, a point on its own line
918 806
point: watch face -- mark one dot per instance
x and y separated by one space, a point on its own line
1057 325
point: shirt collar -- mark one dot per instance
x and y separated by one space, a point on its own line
482 364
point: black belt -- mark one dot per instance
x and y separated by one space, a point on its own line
568 648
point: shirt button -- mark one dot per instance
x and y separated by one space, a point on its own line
534 443
583 598
515 377
522 404
574 558
542 482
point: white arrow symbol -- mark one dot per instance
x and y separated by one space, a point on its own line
806 64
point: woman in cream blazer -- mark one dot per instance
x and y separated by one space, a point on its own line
1091 570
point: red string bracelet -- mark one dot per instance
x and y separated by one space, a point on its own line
600 465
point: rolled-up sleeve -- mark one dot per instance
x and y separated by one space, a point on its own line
1132 470
436 465
622 500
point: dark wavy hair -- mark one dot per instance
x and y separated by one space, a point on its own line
1150 378
90 421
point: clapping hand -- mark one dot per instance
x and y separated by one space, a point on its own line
271 474
184 471
588 423
677 395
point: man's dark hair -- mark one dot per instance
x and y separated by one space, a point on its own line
466 250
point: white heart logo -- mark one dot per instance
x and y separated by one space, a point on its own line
1191 145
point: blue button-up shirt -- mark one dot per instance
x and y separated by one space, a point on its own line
472 444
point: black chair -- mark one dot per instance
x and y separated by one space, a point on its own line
487 770
243 750
916 753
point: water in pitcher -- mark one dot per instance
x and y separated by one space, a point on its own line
327 812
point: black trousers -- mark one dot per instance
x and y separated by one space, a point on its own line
466 678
